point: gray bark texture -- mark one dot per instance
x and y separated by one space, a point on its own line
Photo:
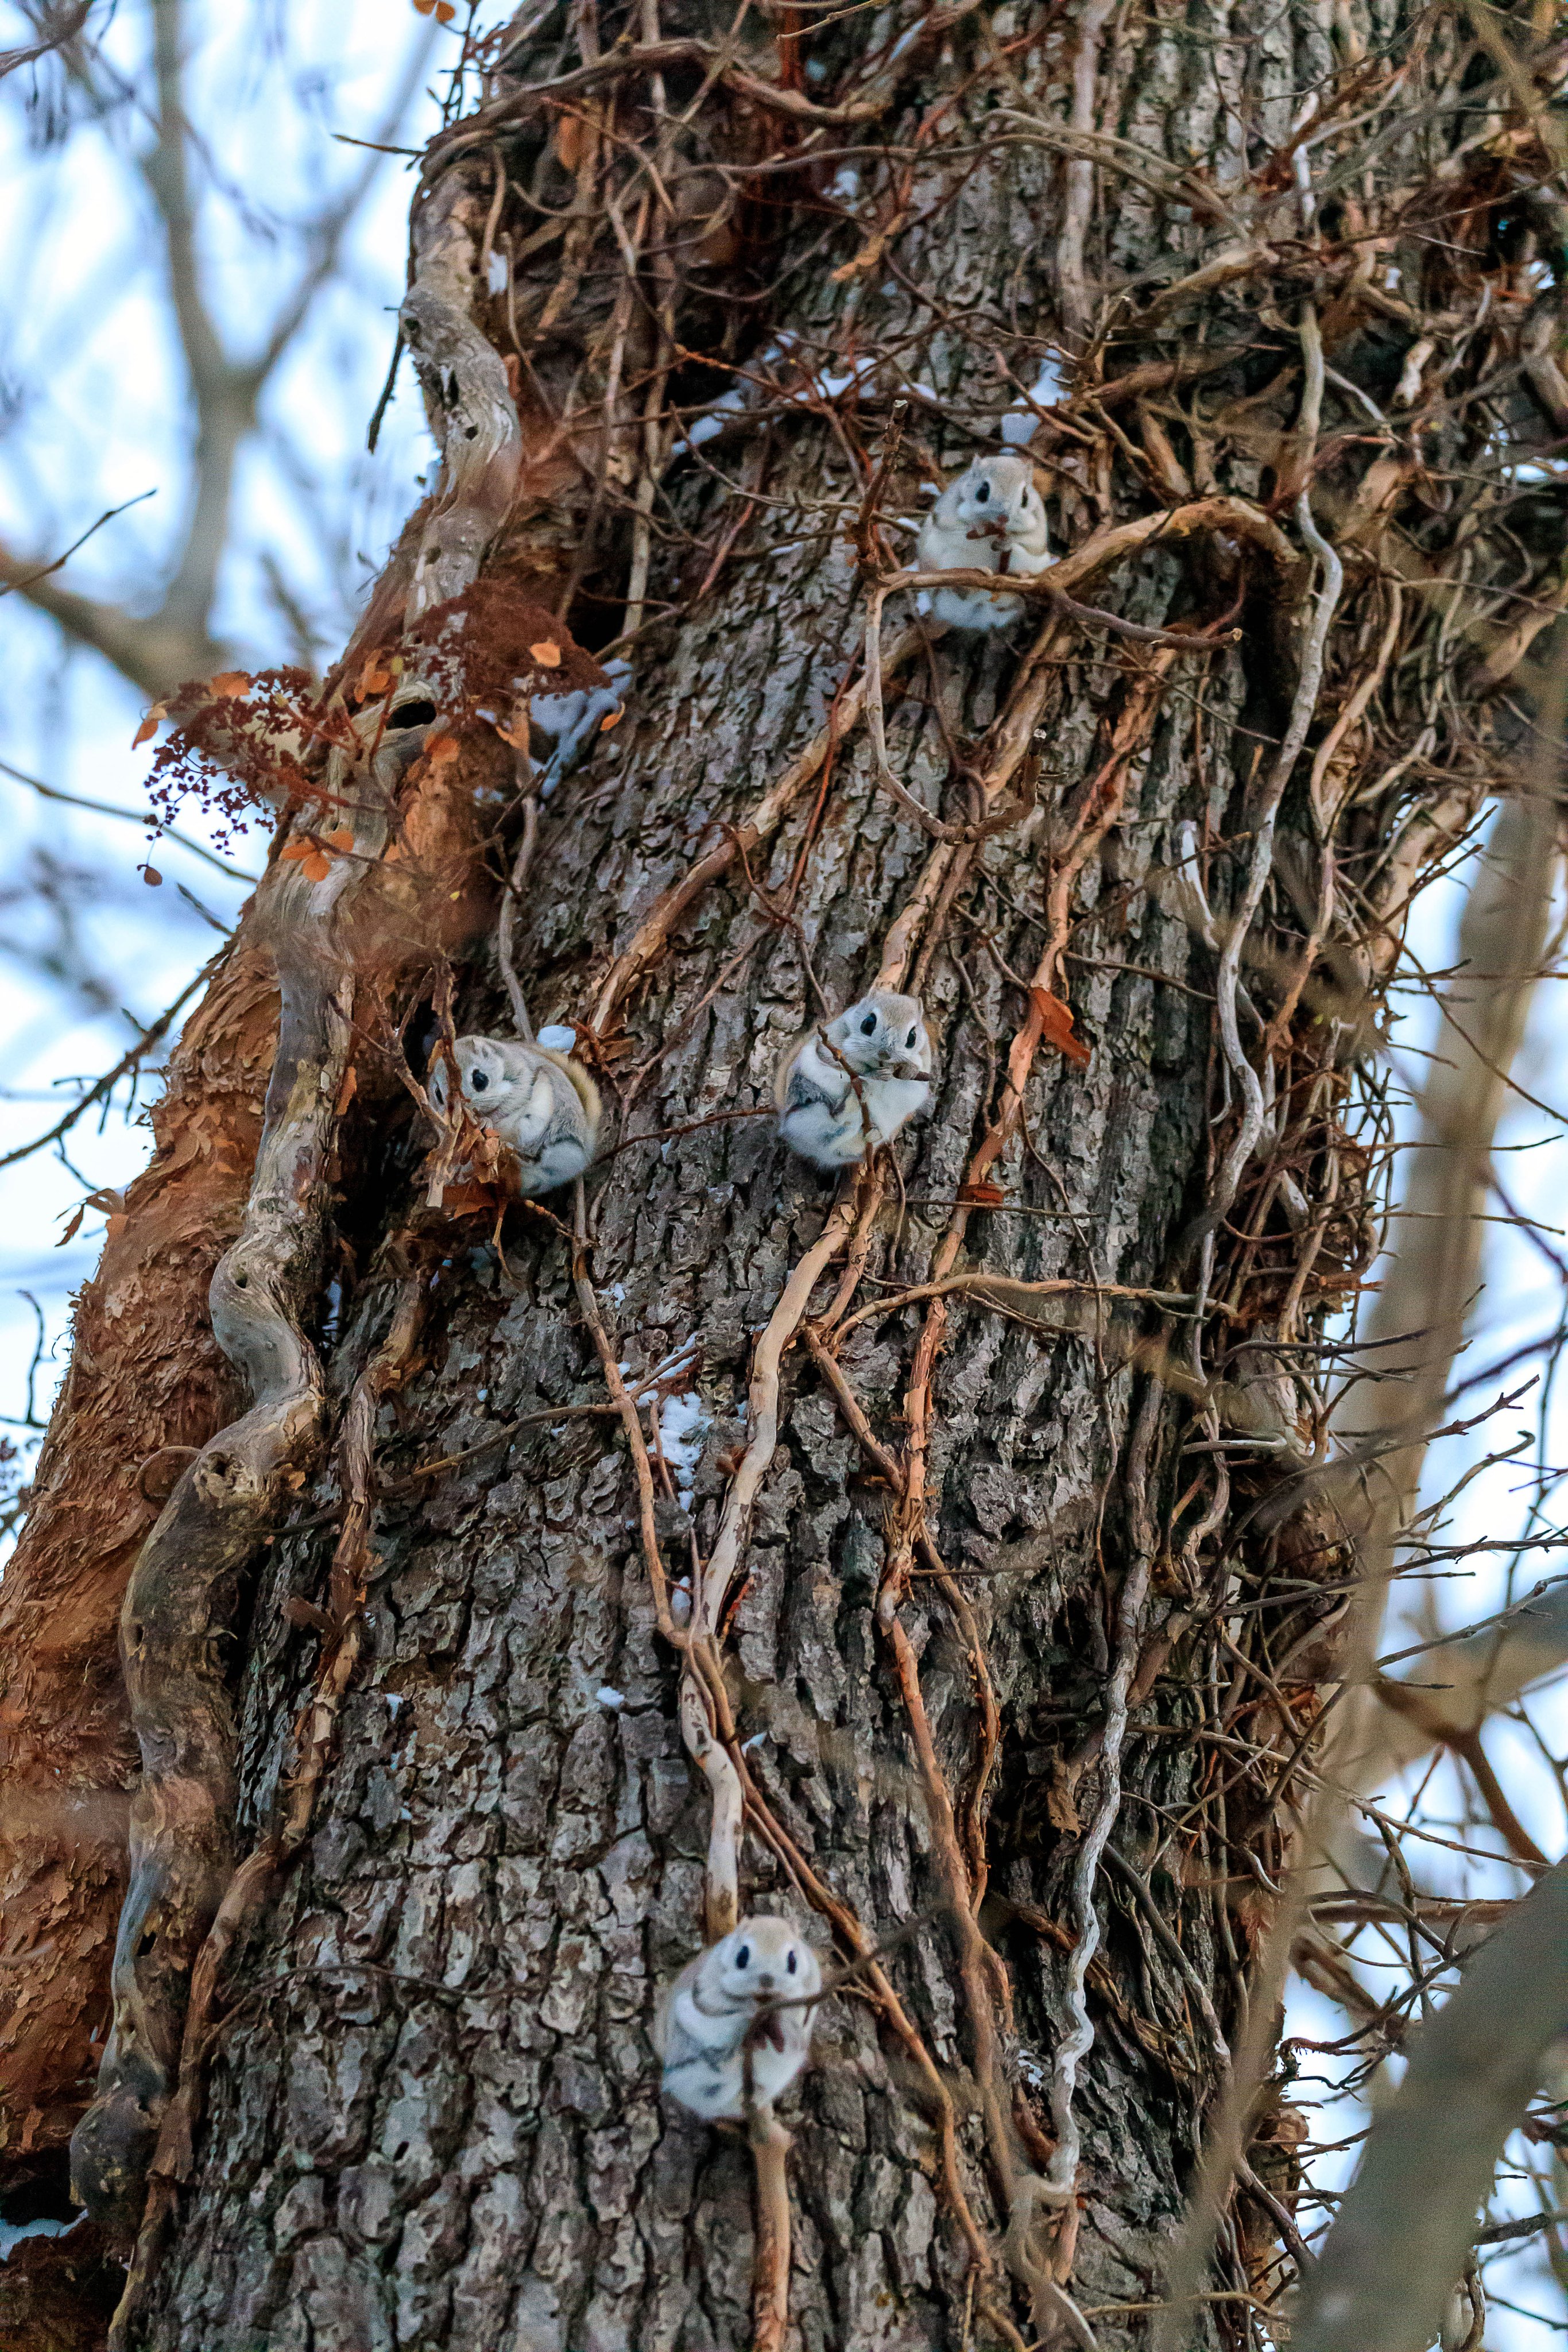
419 2110
451 2064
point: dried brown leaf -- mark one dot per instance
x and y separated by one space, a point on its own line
1056 1027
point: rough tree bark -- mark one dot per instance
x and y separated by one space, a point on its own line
1029 1602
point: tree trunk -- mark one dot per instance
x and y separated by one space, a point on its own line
996 1591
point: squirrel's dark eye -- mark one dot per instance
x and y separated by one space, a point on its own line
868 1025
743 1957
789 1963
479 1081
910 1039
982 494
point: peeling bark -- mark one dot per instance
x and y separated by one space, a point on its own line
147 1380
342 943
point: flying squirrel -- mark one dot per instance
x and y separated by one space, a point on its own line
991 518
884 1040
750 1998
544 1107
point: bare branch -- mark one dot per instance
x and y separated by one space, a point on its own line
104 1086
132 816
157 649
56 22
1417 1320
1399 2242
154 651
10 587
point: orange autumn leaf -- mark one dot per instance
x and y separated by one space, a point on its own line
982 1195
312 860
150 876
443 11
149 725
611 718
547 653
602 1051
440 749
570 140
467 1200
231 681
1056 1027
342 839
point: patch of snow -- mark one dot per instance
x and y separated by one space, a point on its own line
608 1695
846 185
683 1425
1018 425
1033 2069
756 1741
555 715
570 720
679 1362
680 1602
497 273
712 422
561 1040
13 2233
859 372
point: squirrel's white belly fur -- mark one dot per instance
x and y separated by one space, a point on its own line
833 1134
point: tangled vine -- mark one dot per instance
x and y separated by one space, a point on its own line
1338 509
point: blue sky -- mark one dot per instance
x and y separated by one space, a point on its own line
93 412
